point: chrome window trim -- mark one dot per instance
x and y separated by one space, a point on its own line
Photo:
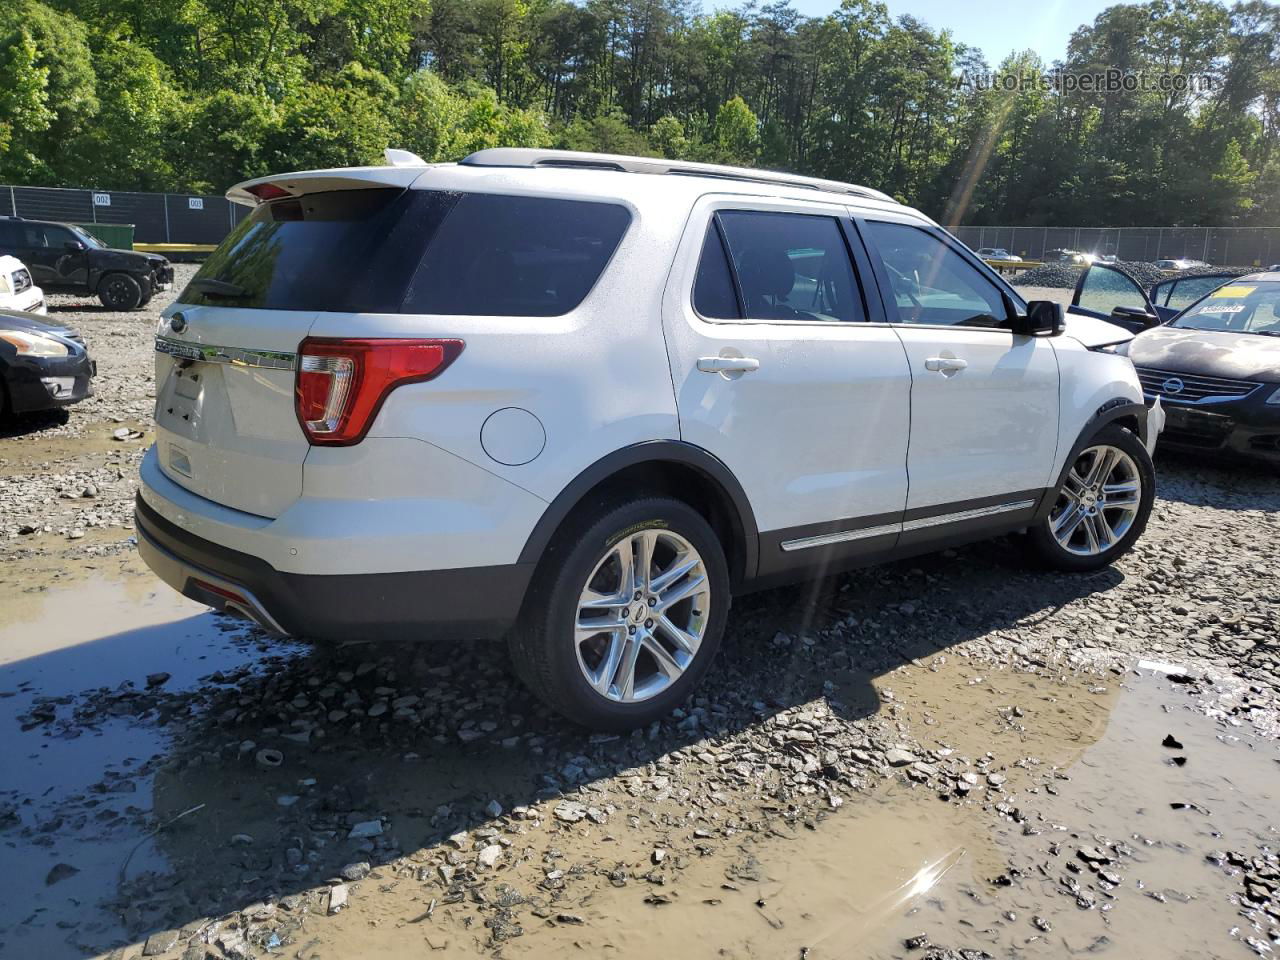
236 356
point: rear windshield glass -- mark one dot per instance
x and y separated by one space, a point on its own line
415 251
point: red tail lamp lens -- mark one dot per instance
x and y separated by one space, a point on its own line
341 383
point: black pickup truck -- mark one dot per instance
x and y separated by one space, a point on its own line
62 256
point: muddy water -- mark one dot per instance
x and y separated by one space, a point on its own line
1168 900
834 888
81 792
1062 763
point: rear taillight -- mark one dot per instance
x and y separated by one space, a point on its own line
341 383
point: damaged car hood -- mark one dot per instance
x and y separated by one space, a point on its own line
1210 353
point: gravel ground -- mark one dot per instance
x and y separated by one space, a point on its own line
337 801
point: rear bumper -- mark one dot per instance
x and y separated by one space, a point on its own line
450 604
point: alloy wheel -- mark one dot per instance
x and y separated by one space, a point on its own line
1098 502
642 615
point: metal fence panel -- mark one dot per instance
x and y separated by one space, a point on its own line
157 217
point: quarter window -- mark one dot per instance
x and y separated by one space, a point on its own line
516 256
713 293
791 266
931 282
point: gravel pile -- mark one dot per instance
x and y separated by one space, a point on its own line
1066 274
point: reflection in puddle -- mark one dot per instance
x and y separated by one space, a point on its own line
76 791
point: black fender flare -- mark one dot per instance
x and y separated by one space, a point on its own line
649 451
1114 409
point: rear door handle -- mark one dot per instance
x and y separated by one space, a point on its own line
728 364
945 364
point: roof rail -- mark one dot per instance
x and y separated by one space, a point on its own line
530 157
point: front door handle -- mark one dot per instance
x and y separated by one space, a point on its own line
945 364
728 364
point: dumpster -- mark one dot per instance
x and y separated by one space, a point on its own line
116 235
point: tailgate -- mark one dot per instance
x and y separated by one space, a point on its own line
226 428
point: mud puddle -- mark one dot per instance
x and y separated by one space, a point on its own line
76 790
168 770
1129 852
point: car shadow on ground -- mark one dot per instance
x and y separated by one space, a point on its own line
424 739
23 424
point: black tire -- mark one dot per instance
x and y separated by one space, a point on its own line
1047 548
120 291
544 645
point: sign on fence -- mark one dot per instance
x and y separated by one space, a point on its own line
195 203
102 199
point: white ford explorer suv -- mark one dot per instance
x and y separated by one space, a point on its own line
580 401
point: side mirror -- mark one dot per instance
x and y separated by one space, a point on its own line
1044 318
73 246
1135 318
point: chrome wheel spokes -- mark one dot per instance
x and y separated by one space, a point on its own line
1098 501
642 615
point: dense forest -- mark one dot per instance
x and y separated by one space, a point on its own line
194 95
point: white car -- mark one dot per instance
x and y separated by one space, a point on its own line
17 291
582 400
998 253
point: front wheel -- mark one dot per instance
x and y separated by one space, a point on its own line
626 613
1102 505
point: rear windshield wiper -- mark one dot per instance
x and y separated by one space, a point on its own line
220 288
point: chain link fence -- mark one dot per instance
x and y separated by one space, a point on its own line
156 217
1220 246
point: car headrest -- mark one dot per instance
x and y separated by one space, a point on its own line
767 271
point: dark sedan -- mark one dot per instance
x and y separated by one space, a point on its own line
1216 369
42 365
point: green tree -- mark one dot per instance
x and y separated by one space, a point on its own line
737 133
24 104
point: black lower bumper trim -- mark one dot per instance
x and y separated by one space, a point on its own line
464 603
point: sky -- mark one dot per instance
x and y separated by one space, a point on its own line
996 27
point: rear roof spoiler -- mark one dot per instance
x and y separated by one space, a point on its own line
251 192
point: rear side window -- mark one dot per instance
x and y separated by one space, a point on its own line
792 266
415 251
516 256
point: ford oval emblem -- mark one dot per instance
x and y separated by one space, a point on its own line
178 323
1173 385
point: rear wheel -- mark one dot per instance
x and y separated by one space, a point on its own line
120 291
1102 506
626 614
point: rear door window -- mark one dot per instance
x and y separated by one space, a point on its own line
792 266
385 250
